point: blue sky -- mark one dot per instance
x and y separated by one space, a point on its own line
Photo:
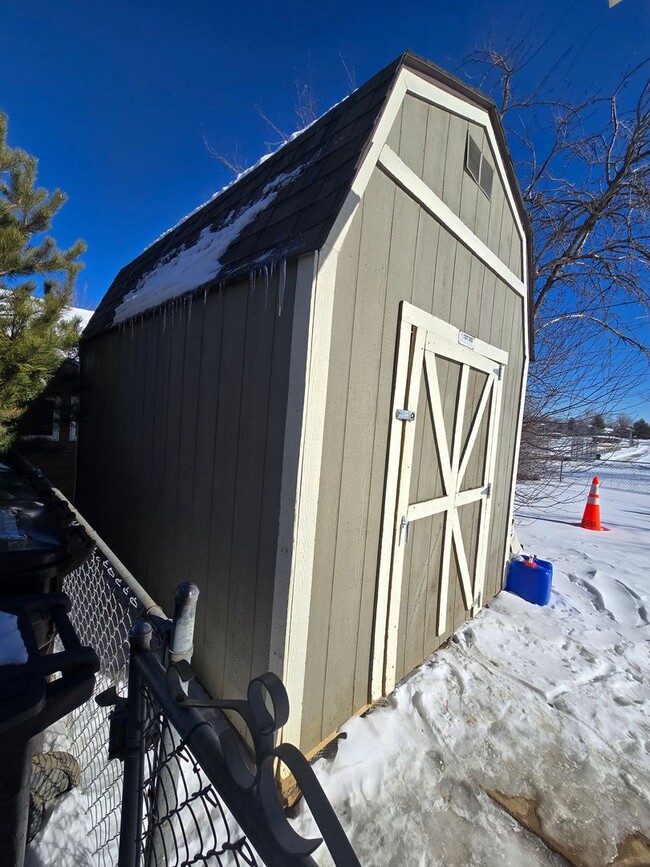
118 99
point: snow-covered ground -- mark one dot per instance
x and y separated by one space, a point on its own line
551 704
639 452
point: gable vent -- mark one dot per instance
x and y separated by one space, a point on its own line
473 158
478 166
487 173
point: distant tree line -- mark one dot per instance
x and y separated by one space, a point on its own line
621 426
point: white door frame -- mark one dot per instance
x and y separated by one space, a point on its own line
422 337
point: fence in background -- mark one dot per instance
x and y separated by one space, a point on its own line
166 777
632 476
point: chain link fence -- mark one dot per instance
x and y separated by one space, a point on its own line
632 476
167 781
103 612
183 822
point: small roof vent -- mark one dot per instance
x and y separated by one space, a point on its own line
487 174
478 166
473 158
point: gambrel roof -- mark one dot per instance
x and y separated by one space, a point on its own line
286 205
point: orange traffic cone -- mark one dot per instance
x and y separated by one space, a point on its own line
591 517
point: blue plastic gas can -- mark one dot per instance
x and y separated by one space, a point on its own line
531 579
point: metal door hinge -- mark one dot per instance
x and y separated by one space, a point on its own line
404 415
487 491
499 371
405 527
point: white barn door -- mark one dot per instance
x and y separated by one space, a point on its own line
440 475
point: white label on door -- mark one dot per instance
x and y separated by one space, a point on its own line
466 340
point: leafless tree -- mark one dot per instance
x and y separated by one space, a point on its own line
306 112
307 109
584 170
232 160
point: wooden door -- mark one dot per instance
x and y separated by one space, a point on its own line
440 479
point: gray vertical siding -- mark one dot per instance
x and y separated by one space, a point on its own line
433 146
180 461
396 251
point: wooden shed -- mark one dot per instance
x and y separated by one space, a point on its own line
307 397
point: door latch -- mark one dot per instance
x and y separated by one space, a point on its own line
404 415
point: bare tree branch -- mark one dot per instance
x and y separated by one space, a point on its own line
584 170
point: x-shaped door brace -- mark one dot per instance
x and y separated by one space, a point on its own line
452 468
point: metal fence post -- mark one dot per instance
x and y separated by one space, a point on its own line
181 646
131 820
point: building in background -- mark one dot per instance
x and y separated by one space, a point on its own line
48 429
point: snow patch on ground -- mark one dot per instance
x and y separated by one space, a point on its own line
66 839
639 453
552 704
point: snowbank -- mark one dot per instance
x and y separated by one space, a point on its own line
639 453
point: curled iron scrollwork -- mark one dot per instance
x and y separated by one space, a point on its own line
264 712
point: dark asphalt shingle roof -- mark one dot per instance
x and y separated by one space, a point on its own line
301 215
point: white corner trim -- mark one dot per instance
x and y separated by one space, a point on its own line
289 490
526 306
296 544
397 169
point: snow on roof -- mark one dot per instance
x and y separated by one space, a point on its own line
78 313
193 266
280 208
236 179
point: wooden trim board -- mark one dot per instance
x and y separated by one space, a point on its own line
406 178
295 591
292 458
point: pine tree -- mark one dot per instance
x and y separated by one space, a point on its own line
33 337
641 429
